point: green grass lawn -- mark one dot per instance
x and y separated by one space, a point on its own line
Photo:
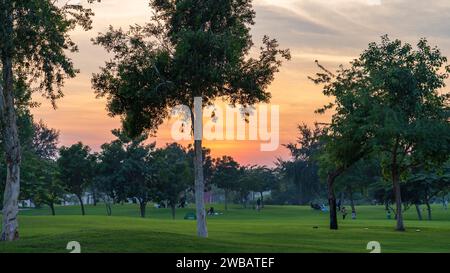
274 229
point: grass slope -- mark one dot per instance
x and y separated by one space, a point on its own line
275 229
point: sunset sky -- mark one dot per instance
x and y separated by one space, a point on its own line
331 31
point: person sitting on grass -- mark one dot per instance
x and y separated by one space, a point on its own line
258 204
315 206
344 213
211 211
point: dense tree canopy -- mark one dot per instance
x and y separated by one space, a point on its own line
388 102
76 166
226 173
173 175
302 168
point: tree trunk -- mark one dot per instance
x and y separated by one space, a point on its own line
332 202
419 213
142 206
398 200
332 198
52 208
333 211
173 208
397 191
352 202
202 230
108 208
11 143
427 203
81 204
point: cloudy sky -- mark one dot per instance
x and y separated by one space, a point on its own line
331 31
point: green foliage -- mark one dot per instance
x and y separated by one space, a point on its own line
389 100
260 178
226 173
39 148
108 177
360 176
35 34
388 104
302 169
34 43
191 48
75 164
41 182
173 174
429 184
45 141
137 170
127 168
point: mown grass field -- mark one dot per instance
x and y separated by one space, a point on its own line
274 229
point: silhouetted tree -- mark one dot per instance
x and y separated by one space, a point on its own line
225 176
192 48
302 169
173 175
75 164
138 171
108 177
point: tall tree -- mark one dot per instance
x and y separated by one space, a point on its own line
139 172
108 175
25 129
343 141
173 175
34 41
410 116
244 185
262 179
393 91
334 147
44 186
40 181
226 175
302 169
191 48
75 164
